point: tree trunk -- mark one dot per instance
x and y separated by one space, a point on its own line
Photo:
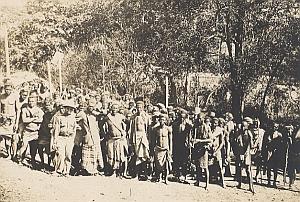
172 94
237 104
269 84
263 102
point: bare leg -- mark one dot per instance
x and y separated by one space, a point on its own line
257 172
239 174
221 174
8 148
23 150
47 151
249 175
125 167
166 173
207 177
292 176
14 145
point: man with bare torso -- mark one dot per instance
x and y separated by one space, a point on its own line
162 148
217 144
139 139
8 119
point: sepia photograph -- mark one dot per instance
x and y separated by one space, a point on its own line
149 100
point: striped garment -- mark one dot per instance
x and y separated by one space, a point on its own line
91 158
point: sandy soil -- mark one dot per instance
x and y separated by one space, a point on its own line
20 183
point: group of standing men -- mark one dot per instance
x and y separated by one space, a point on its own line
92 133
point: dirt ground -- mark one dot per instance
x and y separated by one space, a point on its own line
20 183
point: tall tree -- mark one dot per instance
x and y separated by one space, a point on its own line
259 37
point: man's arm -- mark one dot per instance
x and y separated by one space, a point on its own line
39 117
261 138
171 140
85 124
55 132
221 141
25 117
18 114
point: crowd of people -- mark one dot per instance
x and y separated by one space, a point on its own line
96 133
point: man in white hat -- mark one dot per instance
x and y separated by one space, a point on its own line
64 129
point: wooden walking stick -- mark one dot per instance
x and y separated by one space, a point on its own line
195 135
286 161
251 179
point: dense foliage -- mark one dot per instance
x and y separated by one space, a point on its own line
131 45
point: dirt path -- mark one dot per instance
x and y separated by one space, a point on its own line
19 183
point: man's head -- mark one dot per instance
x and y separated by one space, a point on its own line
275 126
72 93
78 91
114 108
48 104
131 104
162 119
228 116
69 110
23 94
69 107
290 129
215 122
183 114
32 101
91 104
126 97
8 88
222 122
139 106
56 95
155 117
98 98
247 122
128 115
105 96
256 123
82 105
212 114
172 116
207 120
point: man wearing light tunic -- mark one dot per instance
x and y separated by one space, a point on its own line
117 148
